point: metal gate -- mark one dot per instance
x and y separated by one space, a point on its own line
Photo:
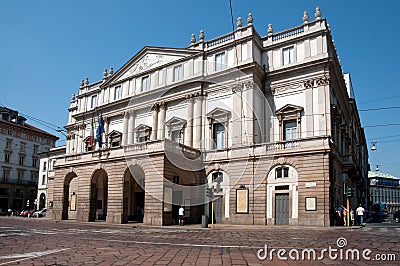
282 208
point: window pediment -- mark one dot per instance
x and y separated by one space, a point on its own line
289 108
219 114
175 123
289 111
114 134
143 130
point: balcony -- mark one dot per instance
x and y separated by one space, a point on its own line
137 149
279 148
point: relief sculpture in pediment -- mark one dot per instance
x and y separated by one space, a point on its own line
147 62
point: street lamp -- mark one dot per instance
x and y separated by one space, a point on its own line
377 168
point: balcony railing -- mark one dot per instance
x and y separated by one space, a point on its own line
281 146
288 33
221 39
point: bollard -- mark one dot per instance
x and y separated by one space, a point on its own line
204 221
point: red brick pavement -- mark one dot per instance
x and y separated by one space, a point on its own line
44 242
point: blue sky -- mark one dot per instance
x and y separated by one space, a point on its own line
47 47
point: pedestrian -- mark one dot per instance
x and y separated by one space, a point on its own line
181 215
344 215
336 217
360 214
352 216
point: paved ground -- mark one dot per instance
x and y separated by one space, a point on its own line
44 242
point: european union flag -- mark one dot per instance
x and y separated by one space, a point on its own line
100 131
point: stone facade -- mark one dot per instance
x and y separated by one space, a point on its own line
270 123
20 146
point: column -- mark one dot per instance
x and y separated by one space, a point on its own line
161 121
125 129
79 140
76 144
106 129
203 122
131 127
197 122
155 122
189 123
72 143
248 112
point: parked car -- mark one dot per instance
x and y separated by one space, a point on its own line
27 213
41 213
396 216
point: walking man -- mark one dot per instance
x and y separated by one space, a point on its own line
360 213
181 215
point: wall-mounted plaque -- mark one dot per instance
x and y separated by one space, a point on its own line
311 203
242 200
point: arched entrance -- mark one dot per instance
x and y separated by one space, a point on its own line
133 198
282 195
220 181
42 201
69 201
98 196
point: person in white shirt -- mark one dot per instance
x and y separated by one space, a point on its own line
360 213
181 215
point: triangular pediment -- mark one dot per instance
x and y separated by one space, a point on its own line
176 121
289 108
143 127
218 112
147 59
114 134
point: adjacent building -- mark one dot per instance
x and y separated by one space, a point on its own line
20 145
269 123
46 169
384 190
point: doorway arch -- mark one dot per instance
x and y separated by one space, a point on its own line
134 194
42 201
98 195
70 186
220 180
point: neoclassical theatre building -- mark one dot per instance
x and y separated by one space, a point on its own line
269 122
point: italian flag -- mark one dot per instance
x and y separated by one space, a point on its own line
91 138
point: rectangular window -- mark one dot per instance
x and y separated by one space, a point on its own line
10 132
6 174
219 136
282 172
176 136
44 166
43 179
218 177
22 147
290 130
6 157
8 144
178 75
34 162
35 149
117 93
145 83
20 176
143 139
220 61
288 55
93 103
21 159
